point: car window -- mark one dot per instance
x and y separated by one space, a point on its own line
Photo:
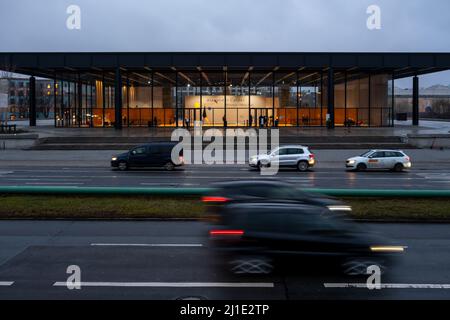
263 221
366 154
378 154
156 149
247 190
304 223
295 151
139 150
283 152
392 154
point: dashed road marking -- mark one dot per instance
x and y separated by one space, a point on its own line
171 284
389 285
147 244
54 183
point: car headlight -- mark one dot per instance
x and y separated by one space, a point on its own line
387 248
114 159
339 208
351 161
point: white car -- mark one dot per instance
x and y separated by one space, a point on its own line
287 156
395 160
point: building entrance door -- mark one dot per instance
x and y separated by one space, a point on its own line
190 116
262 117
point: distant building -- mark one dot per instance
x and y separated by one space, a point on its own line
15 90
432 100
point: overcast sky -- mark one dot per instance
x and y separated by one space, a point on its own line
225 25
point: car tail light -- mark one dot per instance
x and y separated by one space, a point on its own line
214 199
408 159
181 159
226 233
311 156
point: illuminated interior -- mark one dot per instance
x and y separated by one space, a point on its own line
229 98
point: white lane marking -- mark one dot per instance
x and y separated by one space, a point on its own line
172 284
46 179
6 283
440 175
58 183
389 285
168 183
147 244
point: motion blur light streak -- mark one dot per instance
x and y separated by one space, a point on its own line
215 199
340 208
226 232
387 248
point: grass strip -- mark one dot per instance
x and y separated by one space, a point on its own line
113 207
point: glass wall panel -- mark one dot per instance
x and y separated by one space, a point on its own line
261 98
213 98
391 103
97 108
358 100
110 116
352 101
339 99
138 104
285 99
310 99
189 86
164 111
237 101
379 103
363 109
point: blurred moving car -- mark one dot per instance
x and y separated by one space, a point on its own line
256 233
271 190
158 154
395 160
294 156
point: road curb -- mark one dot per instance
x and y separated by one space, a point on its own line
204 219
167 191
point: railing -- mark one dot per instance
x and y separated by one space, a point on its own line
8 128
130 191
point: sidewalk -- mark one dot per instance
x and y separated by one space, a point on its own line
401 129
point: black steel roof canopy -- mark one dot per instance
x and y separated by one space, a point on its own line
48 64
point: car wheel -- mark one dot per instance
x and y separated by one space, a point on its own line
123 166
398 167
302 166
361 167
169 166
358 266
251 265
262 165
259 165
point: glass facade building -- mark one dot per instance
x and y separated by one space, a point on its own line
226 98
224 89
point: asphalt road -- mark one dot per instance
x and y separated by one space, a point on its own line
172 260
431 170
204 175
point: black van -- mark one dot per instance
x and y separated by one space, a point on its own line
158 154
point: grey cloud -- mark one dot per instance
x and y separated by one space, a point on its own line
218 25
